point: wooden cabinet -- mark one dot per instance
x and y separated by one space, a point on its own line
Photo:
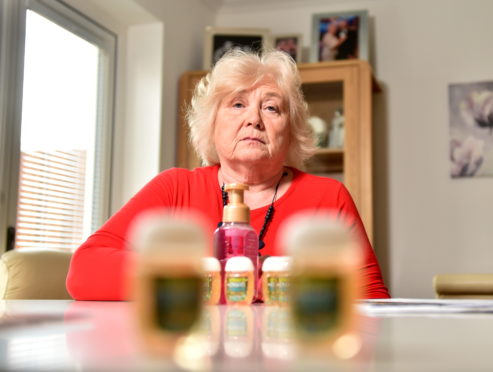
327 86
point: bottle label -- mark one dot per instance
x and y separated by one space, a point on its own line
236 288
283 289
316 303
177 302
272 284
208 287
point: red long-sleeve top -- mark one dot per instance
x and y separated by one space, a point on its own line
98 267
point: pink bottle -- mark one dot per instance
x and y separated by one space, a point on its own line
235 237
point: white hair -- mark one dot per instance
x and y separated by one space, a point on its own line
238 70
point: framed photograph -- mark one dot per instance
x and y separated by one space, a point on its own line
471 129
289 43
219 40
339 36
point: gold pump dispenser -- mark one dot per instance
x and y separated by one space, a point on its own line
236 210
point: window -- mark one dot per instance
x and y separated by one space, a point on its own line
64 144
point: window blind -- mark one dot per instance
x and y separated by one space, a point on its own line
51 199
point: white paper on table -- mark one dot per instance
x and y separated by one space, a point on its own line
411 306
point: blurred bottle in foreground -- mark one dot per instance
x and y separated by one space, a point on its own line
167 286
325 283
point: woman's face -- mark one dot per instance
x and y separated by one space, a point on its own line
252 126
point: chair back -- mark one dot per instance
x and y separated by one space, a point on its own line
34 274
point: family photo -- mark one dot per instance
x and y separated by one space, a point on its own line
339 36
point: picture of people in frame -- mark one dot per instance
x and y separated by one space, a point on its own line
338 38
288 44
223 43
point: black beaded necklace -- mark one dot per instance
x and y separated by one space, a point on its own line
268 216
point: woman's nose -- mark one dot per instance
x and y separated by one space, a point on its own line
254 118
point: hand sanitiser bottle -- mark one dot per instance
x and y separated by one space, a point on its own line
239 281
276 273
235 237
325 283
168 277
212 280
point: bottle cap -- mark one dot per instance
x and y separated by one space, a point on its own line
236 210
278 264
181 235
318 238
239 263
285 263
211 264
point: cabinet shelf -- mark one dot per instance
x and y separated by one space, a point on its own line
326 161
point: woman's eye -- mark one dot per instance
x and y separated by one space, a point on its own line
272 108
238 105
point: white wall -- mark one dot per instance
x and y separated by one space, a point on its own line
426 223
143 105
184 22
157 42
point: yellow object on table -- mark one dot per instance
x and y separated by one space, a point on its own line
463 286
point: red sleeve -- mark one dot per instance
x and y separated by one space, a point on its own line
98 267
373 285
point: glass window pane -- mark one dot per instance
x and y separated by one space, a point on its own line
58 136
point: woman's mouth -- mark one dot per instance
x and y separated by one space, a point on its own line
254 139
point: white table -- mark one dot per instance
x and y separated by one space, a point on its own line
67 335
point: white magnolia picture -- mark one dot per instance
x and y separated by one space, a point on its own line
471 129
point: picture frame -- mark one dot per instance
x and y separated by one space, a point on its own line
289 43
339 36
471 129
218 40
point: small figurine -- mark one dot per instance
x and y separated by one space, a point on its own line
336 137
319 127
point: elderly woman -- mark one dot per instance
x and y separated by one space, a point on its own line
248 123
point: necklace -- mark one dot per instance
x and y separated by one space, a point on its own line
268 216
